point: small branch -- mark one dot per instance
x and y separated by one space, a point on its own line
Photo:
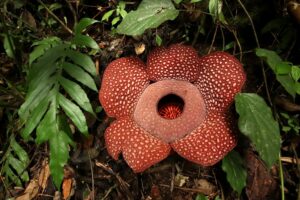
258 45
56 18
13 87
92 173
238 43
194 190
281 178
214 38
72 11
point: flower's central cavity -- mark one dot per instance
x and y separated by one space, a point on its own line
170 109
170 106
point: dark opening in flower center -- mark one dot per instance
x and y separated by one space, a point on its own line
170 106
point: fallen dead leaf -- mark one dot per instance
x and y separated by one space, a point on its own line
44 175
204 185
69 183
139 48
31 191
261 184
180 180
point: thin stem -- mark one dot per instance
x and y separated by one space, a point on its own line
56 18
72 11
214 38
281 178
92 173
238 43
12 86
258 45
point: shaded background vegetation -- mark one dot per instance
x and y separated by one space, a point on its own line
239 28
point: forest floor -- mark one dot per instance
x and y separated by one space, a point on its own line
92 174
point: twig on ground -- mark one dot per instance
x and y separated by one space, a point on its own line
56 18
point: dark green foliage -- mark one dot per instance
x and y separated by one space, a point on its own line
51 92
236 173
257 123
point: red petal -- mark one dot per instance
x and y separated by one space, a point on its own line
123 81
221 78
210 142
140 149
178 62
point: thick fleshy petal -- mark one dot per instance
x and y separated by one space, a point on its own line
221 77
123 81
178 62
210 142
140 149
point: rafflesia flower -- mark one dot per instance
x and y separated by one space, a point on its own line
177 101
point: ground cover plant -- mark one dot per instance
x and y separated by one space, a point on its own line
67 132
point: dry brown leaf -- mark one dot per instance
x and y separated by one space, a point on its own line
97 65
139 48
261 184
294 9
44 175
68 185
31 191
28 18
203 184
180 180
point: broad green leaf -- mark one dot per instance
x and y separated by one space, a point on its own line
9 46
201 197
37 52
177 1
80 75
283 68
33 100
270 57
256 122
121 5
195 1
47 127
19 167
41 46
43 78
19 151
274 62
158 40
297 87
123 13
107 15
82 60
59 155
150 14
295 72
64 126
236 173
288 83
50 40
83 40
12 176
115 20
77 94
74 113
35 118
55 6
83 23
215 8
45 63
